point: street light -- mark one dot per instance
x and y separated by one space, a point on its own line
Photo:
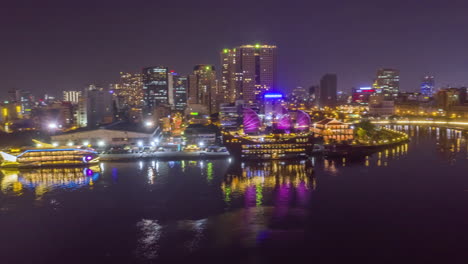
55 144
149 123
201 144
70 144
101 143
140 143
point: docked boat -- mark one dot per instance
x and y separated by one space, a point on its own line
46 155
271 146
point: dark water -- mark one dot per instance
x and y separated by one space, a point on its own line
405 204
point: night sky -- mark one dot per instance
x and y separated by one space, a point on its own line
50 46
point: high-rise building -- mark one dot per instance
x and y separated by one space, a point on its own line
96 107
247 72
72 96
328 89
131 88
387 82
203 87
427 86
180 84
155 87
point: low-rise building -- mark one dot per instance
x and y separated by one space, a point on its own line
333 130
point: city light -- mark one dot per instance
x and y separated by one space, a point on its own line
101 143
52 126
273 95
86 143
55 144
149 123
140 143
70 144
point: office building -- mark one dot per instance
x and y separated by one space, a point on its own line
247 72
155 88
387 82
96 107
203 88
180 84
328 89
427 86
362 95
130 89
72 96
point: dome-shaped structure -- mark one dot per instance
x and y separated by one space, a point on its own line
302 121
251 121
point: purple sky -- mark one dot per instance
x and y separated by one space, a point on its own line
49 46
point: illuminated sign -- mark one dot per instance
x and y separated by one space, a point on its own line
273 95
365 88
194 113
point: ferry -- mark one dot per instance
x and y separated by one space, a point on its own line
271 146
47 155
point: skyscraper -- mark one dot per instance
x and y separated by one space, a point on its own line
427 86
72 96
96 108
247 71
180 92
155 87
328 87
387 82
203 87
130 88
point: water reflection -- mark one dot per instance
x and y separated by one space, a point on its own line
43 180
270 182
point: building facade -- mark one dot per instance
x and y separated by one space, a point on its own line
328 89
247 71
203 88
427 86
388 82
72 96
155 87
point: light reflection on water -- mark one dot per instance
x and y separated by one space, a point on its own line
182 207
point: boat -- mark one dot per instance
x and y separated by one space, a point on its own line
283 139
47 155
270 146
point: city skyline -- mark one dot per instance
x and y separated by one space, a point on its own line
309 46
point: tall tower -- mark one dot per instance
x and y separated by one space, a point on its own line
427 86
328 87
388 82
247 71
203 87
155 87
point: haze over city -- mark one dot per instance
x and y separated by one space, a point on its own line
50 46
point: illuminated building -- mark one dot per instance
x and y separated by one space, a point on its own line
387 82
333 130
180 84
130 89
229 115
155 87
328 89
248 71
203 88
427 86
362 95
380 105
72 96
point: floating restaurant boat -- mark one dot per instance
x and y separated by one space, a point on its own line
252 144
47 155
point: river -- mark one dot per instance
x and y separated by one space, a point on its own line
404 204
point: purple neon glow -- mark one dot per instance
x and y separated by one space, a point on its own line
251 122
302 120
284 122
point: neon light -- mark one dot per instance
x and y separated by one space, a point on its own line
51 150
257 46
273 95
225 50
194 113
365 88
